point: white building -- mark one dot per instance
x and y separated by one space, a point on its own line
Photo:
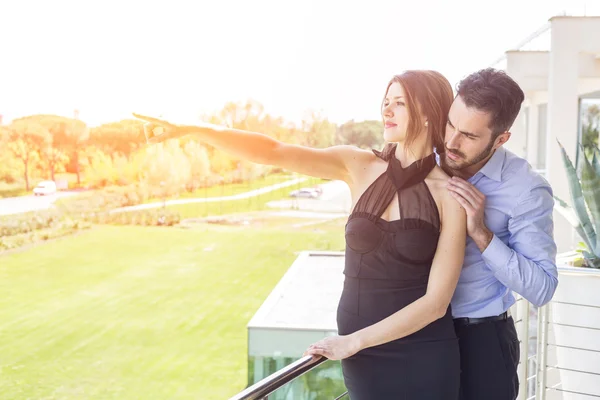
558 68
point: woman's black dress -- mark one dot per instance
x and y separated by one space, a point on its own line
387 268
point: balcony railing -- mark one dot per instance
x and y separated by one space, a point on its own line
541 376
263 388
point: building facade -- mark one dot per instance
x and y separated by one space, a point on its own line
558 68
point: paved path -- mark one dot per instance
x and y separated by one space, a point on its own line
239 196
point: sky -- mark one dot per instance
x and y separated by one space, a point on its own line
182 59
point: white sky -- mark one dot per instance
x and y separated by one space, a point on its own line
184 58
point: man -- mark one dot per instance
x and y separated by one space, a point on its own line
509 222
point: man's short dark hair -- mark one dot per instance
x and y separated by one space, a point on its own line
494 92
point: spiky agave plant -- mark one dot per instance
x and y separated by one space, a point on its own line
584 212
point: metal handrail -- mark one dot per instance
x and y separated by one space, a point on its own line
276 380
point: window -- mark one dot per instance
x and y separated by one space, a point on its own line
589 124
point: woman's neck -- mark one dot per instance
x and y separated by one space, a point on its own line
416 151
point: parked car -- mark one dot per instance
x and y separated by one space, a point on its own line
45 188
310 193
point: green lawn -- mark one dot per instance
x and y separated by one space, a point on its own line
141 313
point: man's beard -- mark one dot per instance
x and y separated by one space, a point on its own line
452 165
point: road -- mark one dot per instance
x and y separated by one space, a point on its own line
335 198
17 205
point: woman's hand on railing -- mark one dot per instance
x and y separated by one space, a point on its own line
279 378
334 347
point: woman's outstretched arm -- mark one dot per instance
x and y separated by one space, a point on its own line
335 162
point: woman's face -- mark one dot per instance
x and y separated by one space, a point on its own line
395 114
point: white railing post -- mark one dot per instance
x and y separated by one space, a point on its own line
543 313
524 356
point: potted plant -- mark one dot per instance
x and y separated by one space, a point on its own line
575 309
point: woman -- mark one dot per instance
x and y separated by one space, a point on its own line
405 241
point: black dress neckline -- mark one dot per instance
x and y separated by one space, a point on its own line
417 207
404 177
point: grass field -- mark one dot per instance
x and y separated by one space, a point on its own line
141 313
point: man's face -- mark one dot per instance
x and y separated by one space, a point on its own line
469 140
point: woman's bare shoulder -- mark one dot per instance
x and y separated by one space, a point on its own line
437 178
362 162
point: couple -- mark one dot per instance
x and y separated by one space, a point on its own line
435 243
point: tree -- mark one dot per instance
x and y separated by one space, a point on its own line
317 131
26 139
251 116
222 163
74 134
100 170
199 163
167 167
248 115
366 134
8 163
67 138
55 159
122 137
